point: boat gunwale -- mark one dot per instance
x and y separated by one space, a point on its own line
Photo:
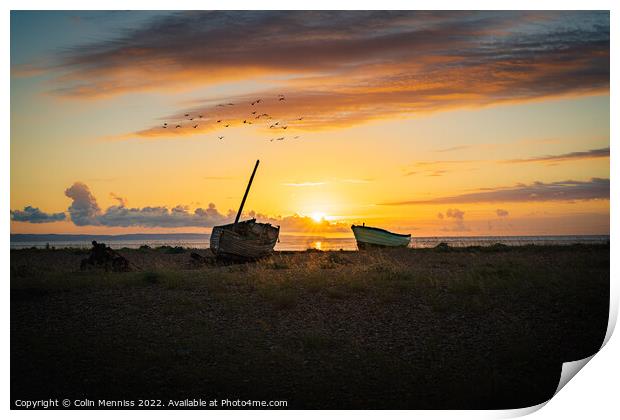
229 226
403 235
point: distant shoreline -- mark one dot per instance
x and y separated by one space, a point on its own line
36 237
286 242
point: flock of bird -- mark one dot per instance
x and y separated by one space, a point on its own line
254 115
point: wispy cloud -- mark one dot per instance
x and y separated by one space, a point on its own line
438 167
304 184
453 149
595 189
348 66
434 168
121 200
552 159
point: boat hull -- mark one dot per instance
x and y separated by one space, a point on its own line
369 237
247 240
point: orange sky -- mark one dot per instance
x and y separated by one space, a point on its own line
445 123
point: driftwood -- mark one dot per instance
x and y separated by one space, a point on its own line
102 256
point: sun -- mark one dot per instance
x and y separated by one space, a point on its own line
318 216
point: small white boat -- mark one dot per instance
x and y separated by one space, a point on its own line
368 237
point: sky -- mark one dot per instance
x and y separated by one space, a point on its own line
430 123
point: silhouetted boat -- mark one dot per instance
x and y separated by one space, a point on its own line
247 239
244 240
369 237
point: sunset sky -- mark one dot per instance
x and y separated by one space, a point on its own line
429 123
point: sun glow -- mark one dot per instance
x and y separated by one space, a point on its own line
318 216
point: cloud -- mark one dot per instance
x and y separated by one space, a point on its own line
304 184
342 68
501 213
455 214
33 215
84 210
458 220
551 159
178 216
435 168
595 189
453 149
121 201
298 223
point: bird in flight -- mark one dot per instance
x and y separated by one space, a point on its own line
220 137
219 121
253 112
280 138
187 115
300 118
200 116
226 125
196 126
178 126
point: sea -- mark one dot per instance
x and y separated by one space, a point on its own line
287 242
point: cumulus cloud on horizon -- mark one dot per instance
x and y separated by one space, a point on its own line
85 211
454 220
33 215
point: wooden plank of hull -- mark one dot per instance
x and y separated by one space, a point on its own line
232 243
227 243
373 237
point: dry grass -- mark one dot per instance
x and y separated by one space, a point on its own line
469 328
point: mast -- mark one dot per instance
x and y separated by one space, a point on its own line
247 190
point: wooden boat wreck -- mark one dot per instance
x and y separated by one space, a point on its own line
372 237
246 240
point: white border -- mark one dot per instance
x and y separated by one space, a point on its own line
593 394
